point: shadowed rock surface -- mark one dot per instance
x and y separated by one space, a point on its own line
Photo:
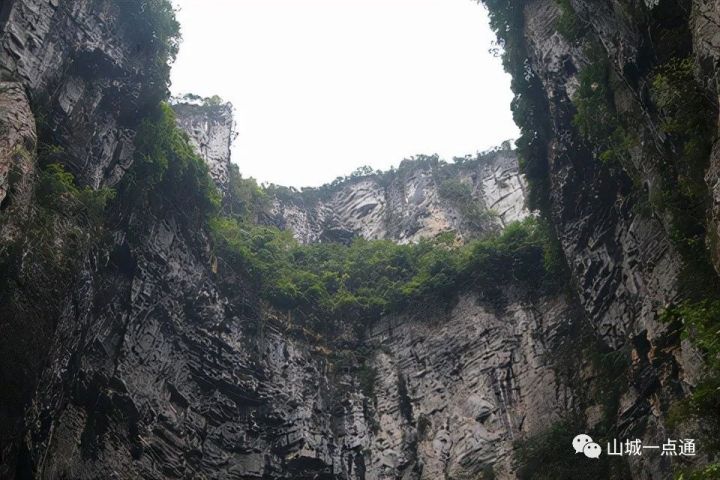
211 132
144 357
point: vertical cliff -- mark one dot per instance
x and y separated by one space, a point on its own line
85 66
210 127
163 364
75 84
131 351
618 104
157 324
422 198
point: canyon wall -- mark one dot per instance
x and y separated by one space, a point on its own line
614 177
408 204
142 356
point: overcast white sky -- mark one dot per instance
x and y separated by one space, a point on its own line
321 87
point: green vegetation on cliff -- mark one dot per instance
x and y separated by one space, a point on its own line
596 117
440 170
650 124
688 119
43 251
328 282
166 172
700 322
529 105
568 24
460 195
154 28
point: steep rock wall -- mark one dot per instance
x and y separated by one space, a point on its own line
172 378
705 22
162 364
211 132
74 81
620 244
87 75
157 363
407 205
17 145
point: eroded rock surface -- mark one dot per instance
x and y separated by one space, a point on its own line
407 205
623 260
81 61
169 388
160 363
211 131
17 145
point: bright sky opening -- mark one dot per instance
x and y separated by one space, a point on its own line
321 87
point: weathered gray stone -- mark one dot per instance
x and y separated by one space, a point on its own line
17 149
407 205
163 364
79 61
211 130
624 263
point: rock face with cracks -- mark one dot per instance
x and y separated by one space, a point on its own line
408 204
149 360
211 132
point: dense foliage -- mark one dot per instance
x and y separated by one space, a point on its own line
676 118
166 172
460 195
596 118
366 279
42 252
152 26
700 322
529 106
568 24
688 119
245 199
56 190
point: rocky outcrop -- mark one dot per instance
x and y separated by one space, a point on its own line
17 147
159 364
162 366
74 80
454 390
625 265
705 21
211 131
173 378
408 204
404 205
84 70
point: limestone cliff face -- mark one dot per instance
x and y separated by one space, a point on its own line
704 23
404 205
16 146
211 132
150 362
160 368
454 390
171 392
408 204
623 260
82 62
73 81
147 359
